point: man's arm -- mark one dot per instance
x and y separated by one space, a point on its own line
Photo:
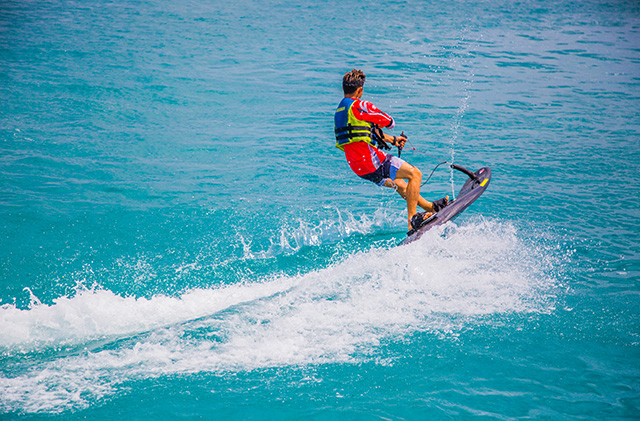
364 110
394 140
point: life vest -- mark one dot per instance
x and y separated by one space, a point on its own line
349 129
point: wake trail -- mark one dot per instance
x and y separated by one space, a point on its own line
451 279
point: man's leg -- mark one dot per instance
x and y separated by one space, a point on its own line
401 187
412 190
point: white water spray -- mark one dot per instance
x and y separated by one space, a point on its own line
98 341
459 64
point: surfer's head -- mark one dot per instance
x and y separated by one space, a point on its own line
352 81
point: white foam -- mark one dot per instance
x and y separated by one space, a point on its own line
97 313
293 236
440 284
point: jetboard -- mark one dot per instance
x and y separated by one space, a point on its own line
472 189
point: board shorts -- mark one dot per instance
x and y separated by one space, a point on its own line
387 169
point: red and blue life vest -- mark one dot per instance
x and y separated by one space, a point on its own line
349 129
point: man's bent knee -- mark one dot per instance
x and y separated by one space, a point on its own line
415 173
409 172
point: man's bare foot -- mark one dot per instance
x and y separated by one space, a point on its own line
440 203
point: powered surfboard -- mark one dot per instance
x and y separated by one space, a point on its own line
472 189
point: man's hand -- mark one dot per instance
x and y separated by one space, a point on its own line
400 141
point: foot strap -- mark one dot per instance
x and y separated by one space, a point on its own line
418 220
440 203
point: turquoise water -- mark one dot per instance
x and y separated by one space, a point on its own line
180 239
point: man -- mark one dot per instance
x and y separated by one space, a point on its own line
358 134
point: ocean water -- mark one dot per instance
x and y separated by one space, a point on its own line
179 239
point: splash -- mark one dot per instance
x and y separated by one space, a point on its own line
448 281
460 65
292 237
97 313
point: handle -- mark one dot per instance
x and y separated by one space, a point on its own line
400 147
464 170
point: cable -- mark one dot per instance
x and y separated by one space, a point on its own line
434 170
442 161
413 148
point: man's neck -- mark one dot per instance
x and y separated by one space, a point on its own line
357 94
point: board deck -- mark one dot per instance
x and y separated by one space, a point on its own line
470 191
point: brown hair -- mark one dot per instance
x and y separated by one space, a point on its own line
352 80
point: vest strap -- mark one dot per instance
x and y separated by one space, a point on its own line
351 128
351 132
352 135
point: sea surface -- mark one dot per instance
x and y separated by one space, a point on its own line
179 238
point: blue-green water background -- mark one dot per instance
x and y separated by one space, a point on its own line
180 239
